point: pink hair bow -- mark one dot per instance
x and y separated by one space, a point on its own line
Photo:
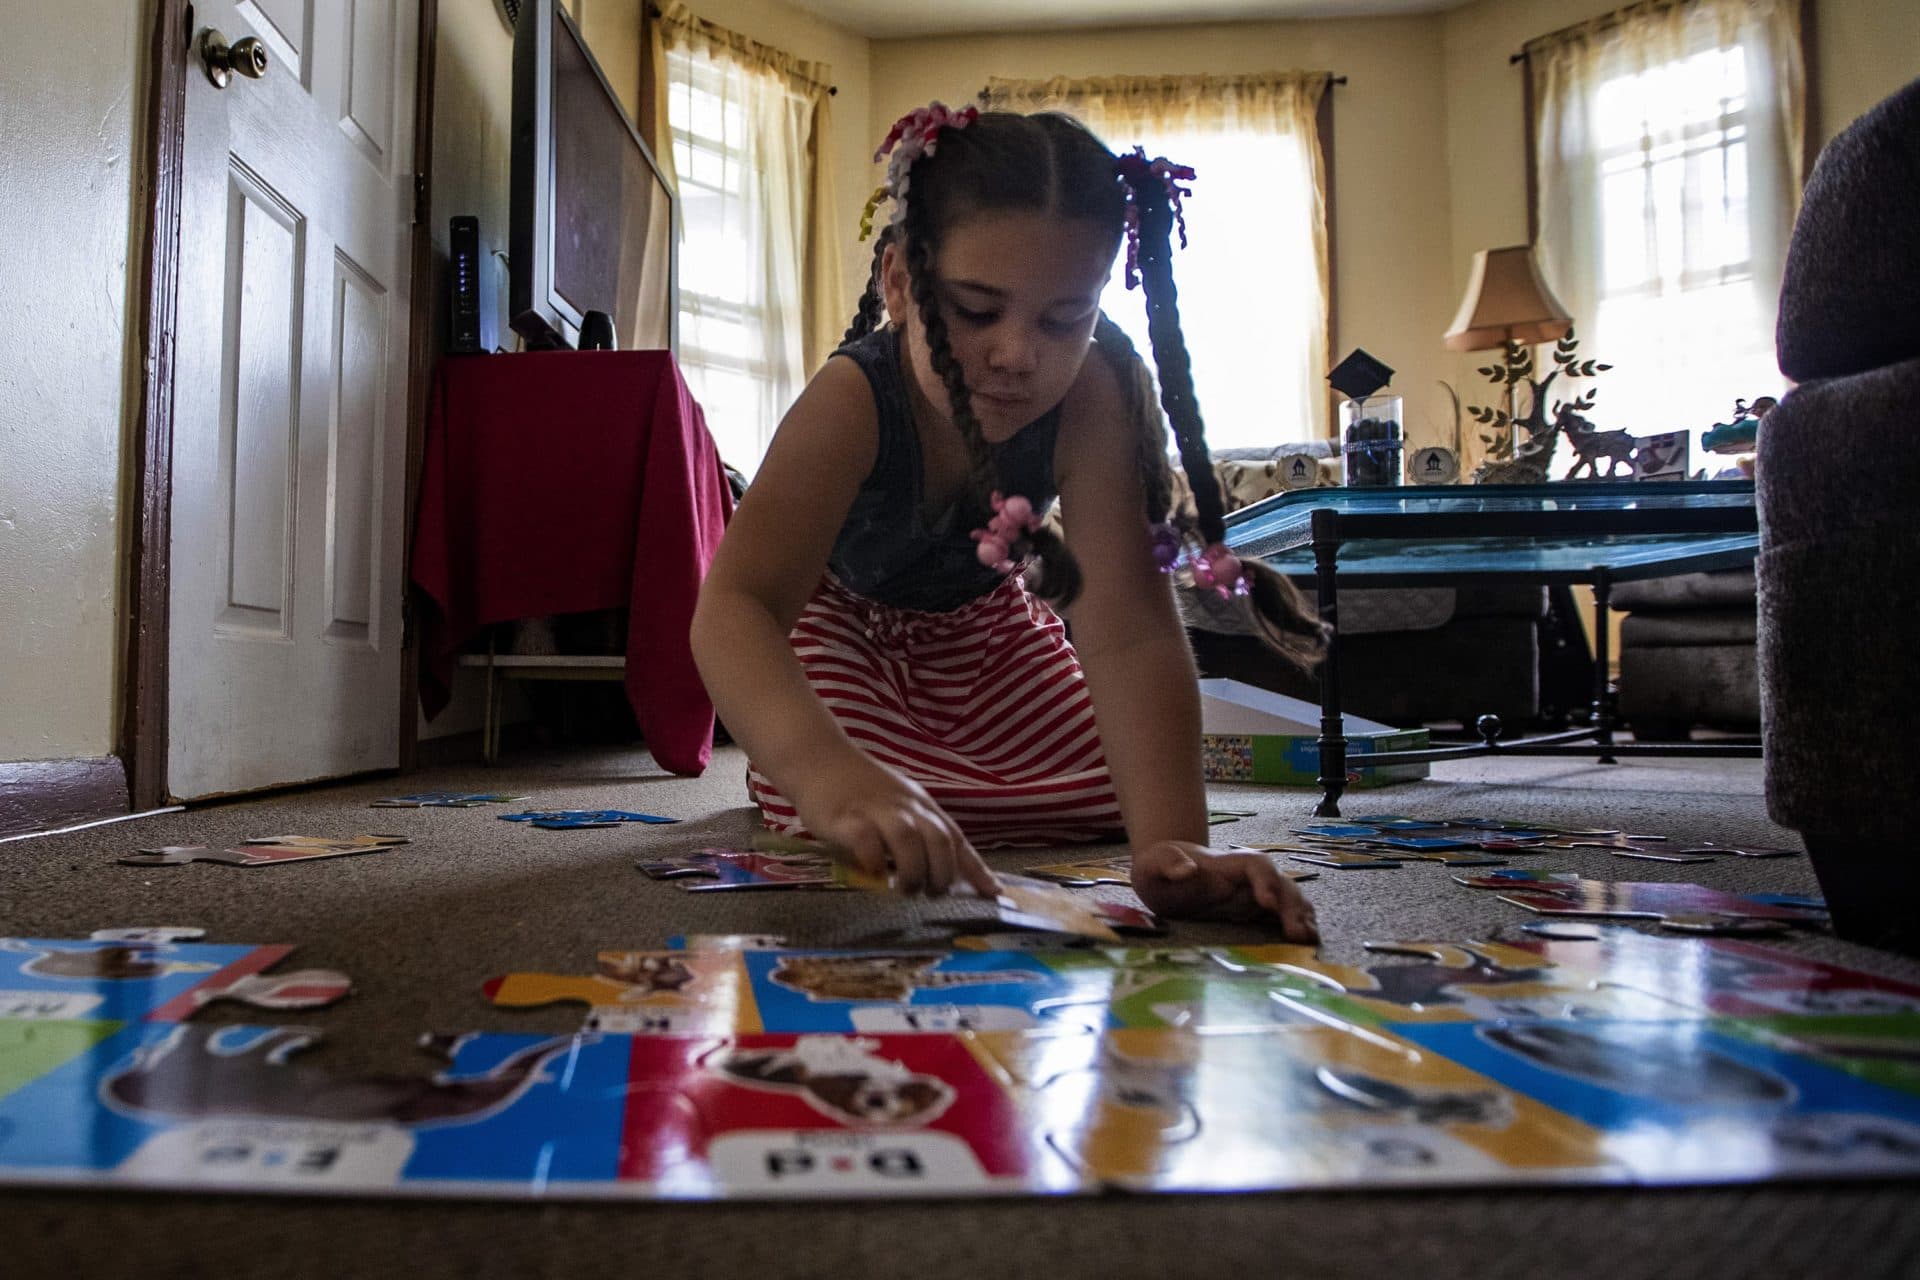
1013 519
913 135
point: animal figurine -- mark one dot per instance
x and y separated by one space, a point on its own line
1590 445
1739 435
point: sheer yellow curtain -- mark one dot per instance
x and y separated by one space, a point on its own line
1668 149
1254 279
788 104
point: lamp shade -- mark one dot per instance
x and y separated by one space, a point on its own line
1506 301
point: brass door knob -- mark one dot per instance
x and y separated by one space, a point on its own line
245 56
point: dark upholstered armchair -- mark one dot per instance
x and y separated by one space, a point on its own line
1839 570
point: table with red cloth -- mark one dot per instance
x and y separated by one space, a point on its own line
566 481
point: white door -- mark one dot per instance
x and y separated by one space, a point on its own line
289 450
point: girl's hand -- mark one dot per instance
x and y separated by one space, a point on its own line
888 822
1178 879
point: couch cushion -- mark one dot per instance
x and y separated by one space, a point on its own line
1689 629
1687 591
1841 455
1850 300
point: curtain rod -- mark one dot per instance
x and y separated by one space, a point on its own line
982 95
654 11
1603 22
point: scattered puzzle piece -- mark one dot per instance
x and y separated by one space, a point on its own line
1650 855
718 870
1344 859
577 819
333 844
1084 875
1118 870
444 800
264 851
1693 905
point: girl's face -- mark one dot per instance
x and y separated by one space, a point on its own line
1020 292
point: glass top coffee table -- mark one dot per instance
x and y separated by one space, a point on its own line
1590 532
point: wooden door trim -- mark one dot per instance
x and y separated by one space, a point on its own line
143 730
422 343
143 736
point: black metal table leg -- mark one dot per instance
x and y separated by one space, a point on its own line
1602 660
1333 732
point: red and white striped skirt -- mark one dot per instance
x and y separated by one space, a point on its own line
984 706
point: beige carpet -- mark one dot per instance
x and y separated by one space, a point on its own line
420 928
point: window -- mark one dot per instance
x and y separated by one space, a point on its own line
1257 352
1253 279
1667 152
736 136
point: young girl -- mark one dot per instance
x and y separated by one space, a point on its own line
878 626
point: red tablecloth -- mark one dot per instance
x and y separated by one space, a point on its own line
557 482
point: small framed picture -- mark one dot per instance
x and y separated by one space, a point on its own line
1662 457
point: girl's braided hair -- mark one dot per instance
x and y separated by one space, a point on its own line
1049 162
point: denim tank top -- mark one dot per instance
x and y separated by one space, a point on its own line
891 548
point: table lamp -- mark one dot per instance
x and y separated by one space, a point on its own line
1507 305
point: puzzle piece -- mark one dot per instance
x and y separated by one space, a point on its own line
1654 901
1447 857
823 1115
644 992
1650 855
716 870
31 1048
1468 981
1344 859
138 974
1881 1048
1737 850
1269 1109
1118 870
579 819
332 844
1483 824
1518 878
1668 1095
1083 875
444 800
1728 979
264 851
1035 904
1217 816
727 942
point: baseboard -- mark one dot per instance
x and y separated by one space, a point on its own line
40 795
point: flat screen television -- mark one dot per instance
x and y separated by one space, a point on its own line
591 216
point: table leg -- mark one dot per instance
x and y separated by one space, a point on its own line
490 724
1333 732
1602 660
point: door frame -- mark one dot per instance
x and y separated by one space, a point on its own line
143 734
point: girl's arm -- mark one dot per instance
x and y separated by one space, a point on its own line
763 574
1146 701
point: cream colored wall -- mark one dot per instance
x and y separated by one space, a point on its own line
1390 233
67 150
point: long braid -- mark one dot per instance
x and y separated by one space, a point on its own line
868 311
1286 621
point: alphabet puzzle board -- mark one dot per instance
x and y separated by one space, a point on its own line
770 1073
